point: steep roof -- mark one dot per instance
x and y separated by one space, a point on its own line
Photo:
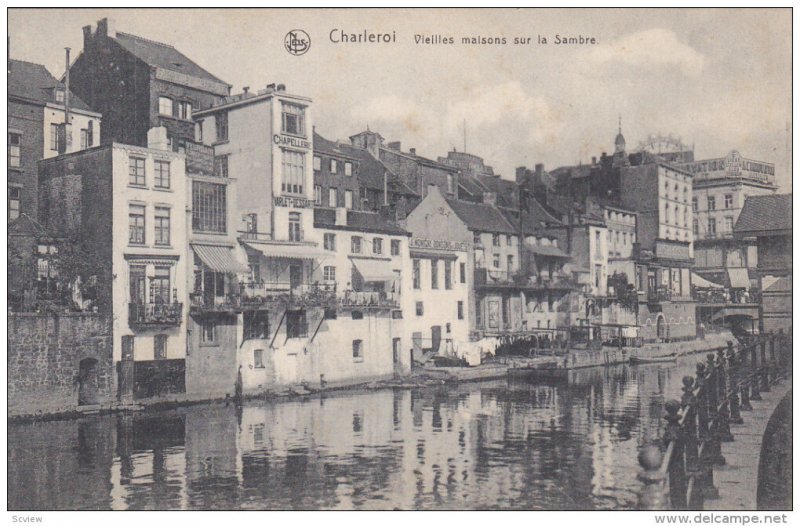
164 56
765 214
33 82
481 217
357 221
534 219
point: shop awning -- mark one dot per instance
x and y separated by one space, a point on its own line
546 251
374 270
286 251
739 278
219 259
699 281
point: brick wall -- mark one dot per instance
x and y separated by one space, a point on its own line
44 360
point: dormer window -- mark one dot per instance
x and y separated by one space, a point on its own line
59 95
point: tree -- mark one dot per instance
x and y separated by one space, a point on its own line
624 293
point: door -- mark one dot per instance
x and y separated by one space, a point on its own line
295 276
137 285
661 328
436 337
396 360
87 382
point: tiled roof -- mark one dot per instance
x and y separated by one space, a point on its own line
481 217
370 170
534 219
33 82
765 213
471 185
357 221
164 56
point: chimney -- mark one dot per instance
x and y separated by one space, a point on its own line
87 37
539 170
394 145
280 87
107 27
520 174
341 216
157 138
245 90
412 151
594 161
271 87
490 198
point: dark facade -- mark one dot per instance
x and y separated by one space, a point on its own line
125 76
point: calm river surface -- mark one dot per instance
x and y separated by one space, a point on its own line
486 445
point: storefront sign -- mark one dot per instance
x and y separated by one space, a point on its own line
439 244
292 202
287 140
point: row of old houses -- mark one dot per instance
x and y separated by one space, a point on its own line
238 250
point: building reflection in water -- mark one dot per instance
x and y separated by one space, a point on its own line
488 445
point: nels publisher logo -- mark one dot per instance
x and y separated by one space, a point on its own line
297 42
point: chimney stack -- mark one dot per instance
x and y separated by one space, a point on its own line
539 170
245 89
280 87
107 27
87 37
394 145
412 151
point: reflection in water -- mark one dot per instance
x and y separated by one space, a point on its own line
488 445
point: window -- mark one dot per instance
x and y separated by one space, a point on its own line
221 166
377 246
395 247
329 241
127 348
160 286
434 273
415 263
198 131
209 207
462 271
317 163
160 346
712 227
711 203
13 203
695 226
162 174
59 93
460 310
84 139
254 266
136 224
250 226
165 106
348 199
358 352
294 121
295 229
729 224
348 168
136 280
496 260
258 363
162 226
208 335
185 110
293 164
476 238
508 239
496 240
510 264
685 194
598 273
355 245
14 140
362 192
694 204
296 324
56 137
256 325
420 309
332 197
317 195
448 274
728 200
334 166
136 171
221 121
329 273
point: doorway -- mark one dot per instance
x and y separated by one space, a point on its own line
661 328
295 276
87 382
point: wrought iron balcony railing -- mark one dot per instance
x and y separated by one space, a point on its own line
155 314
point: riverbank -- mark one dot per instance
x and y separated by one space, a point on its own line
422 377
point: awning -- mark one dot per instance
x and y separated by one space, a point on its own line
739 278
732 312
286 251
219 259
374 270
699 281
547 251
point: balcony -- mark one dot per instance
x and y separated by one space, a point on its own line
378 300
154 314
544 280
288 294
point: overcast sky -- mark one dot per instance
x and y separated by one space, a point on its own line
718 79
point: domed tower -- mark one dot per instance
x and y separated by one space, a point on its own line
619 142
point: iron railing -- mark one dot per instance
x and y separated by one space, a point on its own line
155 314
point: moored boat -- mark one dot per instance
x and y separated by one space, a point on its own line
636 360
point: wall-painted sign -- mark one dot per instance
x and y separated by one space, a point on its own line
292 202
439 244
287 140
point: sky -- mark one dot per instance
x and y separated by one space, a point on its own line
718 79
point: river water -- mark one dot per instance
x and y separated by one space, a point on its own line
484 445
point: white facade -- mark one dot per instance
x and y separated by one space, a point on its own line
84 132
674 203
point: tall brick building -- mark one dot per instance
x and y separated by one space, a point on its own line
138 84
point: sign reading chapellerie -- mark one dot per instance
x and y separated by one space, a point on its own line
439 244
286 140
292 202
